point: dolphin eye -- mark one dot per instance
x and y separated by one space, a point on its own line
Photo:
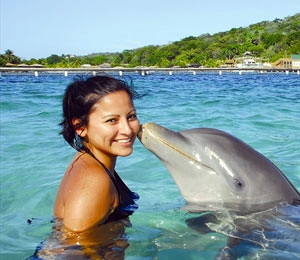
238 184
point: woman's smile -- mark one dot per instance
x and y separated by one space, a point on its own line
124 141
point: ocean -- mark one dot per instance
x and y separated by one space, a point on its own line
261 109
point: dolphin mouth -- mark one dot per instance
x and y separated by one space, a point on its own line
153 131
150 129
140 132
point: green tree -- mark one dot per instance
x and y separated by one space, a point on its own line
3 60
54 59
164 63
9 55
11 58
271 39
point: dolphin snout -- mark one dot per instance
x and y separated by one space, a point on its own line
148 131
140 132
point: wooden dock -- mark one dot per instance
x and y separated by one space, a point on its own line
144 71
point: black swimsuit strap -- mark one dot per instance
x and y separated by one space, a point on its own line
102 164
126 196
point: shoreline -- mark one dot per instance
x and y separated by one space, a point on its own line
141 70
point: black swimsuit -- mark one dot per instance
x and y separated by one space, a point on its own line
127 198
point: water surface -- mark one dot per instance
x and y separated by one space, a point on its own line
261 109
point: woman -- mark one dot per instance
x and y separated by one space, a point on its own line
100 122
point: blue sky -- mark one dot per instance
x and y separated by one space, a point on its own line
39 28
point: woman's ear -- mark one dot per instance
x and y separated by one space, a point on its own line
80 130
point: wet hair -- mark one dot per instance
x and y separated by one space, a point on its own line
79 100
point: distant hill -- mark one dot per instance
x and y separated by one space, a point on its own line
267 39
270 40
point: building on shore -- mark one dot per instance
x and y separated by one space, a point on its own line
249 61
288 63
295 61
23 65
283 63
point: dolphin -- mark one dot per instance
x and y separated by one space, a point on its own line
214 169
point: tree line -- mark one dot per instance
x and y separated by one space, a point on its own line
270 40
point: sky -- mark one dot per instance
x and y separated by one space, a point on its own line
40 28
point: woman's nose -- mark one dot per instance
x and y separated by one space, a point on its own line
125 127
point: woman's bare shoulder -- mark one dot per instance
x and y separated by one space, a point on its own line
89 195
84 167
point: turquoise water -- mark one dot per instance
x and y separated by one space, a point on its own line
261 109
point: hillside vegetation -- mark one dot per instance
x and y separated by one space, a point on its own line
268 39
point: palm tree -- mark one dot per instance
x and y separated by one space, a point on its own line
9 55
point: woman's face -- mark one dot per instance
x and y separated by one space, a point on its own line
113 126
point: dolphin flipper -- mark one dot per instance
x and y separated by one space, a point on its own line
199 224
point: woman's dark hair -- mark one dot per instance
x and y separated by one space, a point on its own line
79 100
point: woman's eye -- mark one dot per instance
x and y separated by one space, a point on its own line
132 117
111 120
